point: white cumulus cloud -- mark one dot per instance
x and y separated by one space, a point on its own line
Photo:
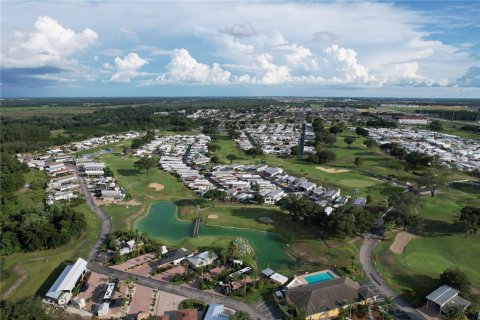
183 68
49 44
127 68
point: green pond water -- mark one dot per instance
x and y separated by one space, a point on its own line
161 222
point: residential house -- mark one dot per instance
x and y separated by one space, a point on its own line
324 300
203 259
273 196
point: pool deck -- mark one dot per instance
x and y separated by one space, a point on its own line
300 279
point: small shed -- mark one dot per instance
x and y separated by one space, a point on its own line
267 272
278 278
103 309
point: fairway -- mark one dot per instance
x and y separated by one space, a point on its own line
440 245
426 262
356 183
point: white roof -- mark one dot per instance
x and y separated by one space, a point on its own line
278 278
442 295
215 312
67 279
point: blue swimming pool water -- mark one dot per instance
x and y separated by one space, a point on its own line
319 277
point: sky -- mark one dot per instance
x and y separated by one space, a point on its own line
423 49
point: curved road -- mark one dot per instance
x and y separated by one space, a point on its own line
365 253
95 260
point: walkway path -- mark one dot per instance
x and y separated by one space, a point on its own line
21 274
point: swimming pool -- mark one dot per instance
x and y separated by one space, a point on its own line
319 277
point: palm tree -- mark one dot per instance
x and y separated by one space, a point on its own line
389 303
456 312
129 281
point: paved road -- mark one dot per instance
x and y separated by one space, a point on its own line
369 243
106 223
95 261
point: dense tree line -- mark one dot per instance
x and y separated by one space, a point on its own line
346 221
143 140
27 309
404 212
39 228
458 115
381 123
12 172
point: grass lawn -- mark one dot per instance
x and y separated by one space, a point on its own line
49 263
27 197
440 245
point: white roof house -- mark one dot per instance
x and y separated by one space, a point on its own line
215 312
67 281
202 259
278 278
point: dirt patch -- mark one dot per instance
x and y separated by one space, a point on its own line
212 216
156 186
21 274
265 219
306 253
401 241
332 170
131 202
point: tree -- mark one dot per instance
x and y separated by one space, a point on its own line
254 152
26 308
334 130
358 161
294 150
145 163
258 198
349 140
470 219
129 281
434 178
418 159
455 278
212 147
435 125
126 150
215 159
323 156
369 143
361 132
231 157
456 312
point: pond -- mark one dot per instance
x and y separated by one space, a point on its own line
162 222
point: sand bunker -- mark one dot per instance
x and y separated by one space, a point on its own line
401 241
265 219
332 170
156 186
212 216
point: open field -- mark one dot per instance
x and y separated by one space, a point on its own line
28 197
440 245
37 265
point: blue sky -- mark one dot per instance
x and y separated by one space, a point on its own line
427 49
